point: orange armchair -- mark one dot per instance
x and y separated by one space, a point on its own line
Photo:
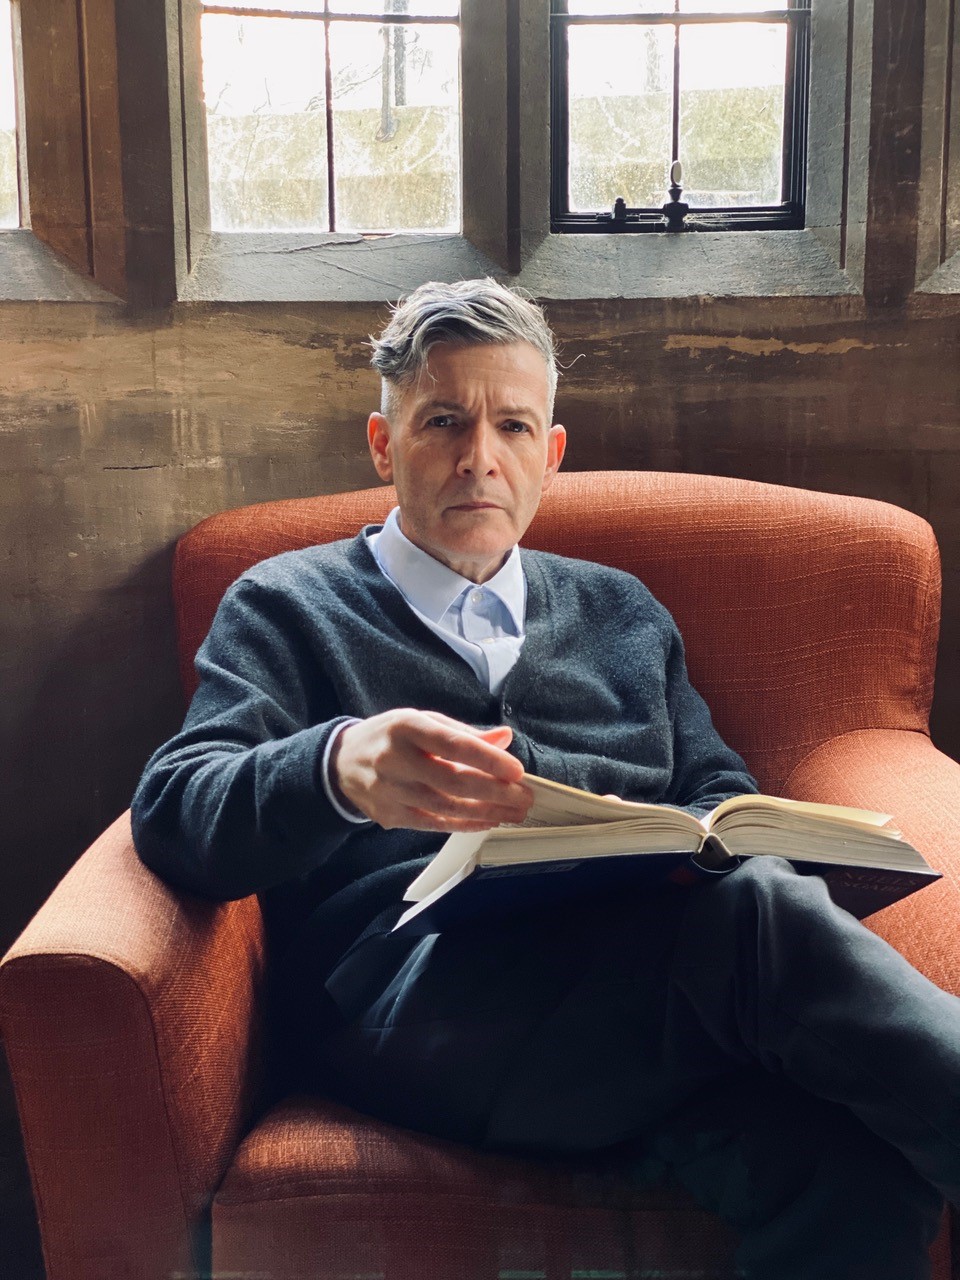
133 1015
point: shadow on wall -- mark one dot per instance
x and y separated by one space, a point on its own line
95 691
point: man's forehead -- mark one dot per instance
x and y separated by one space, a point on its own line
452 370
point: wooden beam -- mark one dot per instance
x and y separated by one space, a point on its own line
483 25
890 251
55 106
107 218
143 85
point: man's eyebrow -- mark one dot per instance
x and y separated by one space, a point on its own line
450 406
454 406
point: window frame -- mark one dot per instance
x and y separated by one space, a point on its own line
328 20
789 215
152 247
93 154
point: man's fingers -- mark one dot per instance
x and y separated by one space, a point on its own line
428 771
450 778
440 813
501 735
462 745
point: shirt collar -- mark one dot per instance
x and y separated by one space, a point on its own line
430 586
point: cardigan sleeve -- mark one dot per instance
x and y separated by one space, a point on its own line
705 770
235 802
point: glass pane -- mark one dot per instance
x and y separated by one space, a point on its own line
266 123
672 6
620 115
9 198
415 8
732 6
396 128
731 113
289 6
620 6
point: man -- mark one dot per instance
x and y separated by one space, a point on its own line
360 700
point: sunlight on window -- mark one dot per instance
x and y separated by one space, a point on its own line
9 197
395 113
731 113
620 114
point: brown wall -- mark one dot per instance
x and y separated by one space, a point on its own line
117 434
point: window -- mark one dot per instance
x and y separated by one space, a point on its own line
639 85
9 184
332 115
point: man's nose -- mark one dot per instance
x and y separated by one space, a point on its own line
479 454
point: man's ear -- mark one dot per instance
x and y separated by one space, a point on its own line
556 447
378 438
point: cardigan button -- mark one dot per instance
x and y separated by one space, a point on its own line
507 709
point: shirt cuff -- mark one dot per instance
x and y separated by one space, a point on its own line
349 814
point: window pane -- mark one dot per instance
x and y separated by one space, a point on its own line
415 8
289 6
620 115
668 6
731 113
396 129
263 83
620 6
731 6
9 197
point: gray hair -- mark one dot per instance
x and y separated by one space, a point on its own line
468 312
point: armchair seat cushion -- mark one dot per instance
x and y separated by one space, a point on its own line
318 1190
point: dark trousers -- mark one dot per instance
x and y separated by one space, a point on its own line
794 1071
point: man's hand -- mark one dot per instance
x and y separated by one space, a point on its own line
423 770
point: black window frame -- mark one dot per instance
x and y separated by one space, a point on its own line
789 215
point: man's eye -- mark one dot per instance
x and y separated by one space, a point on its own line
441 420
518 428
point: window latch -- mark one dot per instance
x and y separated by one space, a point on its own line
675 210
619 216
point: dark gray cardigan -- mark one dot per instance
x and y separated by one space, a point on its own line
234 805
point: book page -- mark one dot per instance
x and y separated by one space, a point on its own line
752 806
556 805
458 853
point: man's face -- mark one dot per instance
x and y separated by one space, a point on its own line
470 449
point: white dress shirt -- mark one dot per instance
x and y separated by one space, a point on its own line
482 622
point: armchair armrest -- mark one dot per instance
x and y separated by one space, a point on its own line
901 773
131 1019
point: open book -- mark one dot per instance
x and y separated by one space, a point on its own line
574 843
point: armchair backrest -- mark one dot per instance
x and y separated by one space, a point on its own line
805 615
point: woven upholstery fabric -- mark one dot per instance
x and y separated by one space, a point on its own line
130 1019
319 1191
805 615
903 774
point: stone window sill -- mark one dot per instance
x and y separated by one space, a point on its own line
31 272
245 267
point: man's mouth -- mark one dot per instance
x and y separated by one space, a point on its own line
474 506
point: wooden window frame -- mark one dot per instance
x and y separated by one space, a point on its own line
492 98
94 131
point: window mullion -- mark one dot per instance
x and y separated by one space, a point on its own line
675 105
328 108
